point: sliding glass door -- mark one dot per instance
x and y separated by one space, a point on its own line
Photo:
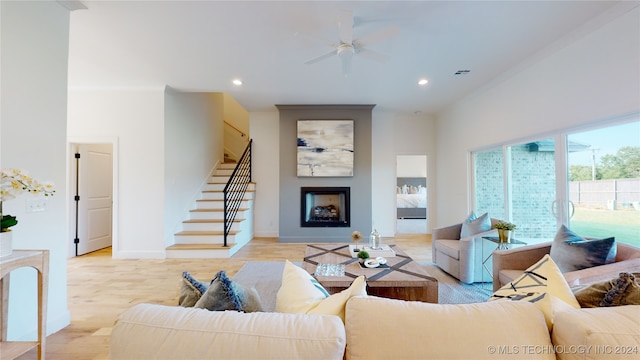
518 183
587 180
604 182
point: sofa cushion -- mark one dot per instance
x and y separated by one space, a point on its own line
542 284
623 290
149 331
379 328
599 333
302 293
473 225
451 248
224 294
191 290
572 252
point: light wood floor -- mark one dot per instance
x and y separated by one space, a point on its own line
100 288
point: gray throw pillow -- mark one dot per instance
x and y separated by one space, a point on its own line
572 252
190 290
473 225
224 294
623 290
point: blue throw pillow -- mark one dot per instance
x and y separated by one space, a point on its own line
475 225
572 252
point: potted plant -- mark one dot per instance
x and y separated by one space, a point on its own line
363 256
505 229
15 182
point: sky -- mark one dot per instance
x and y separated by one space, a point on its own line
605 141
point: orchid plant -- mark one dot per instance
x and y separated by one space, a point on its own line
14 183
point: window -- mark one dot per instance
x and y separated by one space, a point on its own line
517 183
587 180
604 182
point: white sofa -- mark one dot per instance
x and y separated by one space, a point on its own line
378 328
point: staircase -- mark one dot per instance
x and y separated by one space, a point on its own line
202 235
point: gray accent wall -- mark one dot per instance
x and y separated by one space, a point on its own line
290 184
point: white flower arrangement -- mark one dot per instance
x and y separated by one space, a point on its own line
15 182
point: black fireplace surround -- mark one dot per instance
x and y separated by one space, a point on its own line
325 207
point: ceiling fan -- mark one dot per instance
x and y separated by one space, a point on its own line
348 47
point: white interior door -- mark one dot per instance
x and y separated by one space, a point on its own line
95 197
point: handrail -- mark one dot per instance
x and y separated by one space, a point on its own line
242 133
235 189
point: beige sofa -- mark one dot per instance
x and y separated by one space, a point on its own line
378 328
508 265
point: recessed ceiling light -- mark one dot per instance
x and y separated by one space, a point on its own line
237 82
423 82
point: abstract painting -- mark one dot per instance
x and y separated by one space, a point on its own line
325 148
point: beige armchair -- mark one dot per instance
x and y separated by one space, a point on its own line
462 258
508 265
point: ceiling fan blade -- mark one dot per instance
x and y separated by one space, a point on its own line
322 57
374 55
345 23
377 36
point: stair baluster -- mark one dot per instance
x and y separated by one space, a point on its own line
235 189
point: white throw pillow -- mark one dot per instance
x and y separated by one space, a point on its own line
542 284
475 225
301 293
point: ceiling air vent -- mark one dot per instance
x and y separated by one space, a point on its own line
462 72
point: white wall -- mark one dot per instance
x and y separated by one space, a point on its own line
265 132
35 38
594 77
192 150
136 118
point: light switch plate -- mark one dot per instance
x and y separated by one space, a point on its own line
36 205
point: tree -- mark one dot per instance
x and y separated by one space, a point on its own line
581 173
624 164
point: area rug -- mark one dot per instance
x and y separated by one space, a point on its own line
266 277
452 291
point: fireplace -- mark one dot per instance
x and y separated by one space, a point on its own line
325 207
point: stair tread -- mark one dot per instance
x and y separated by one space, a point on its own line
206 221
215 210
219 191
199 247
206 233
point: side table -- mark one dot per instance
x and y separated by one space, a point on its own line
501 245
38 259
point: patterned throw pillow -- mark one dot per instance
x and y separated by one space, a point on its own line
191 290
301 293
224 294
623 290
572 252
475 225
542 284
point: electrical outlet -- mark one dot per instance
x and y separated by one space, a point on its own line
36 205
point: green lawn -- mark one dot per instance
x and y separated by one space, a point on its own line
600 223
